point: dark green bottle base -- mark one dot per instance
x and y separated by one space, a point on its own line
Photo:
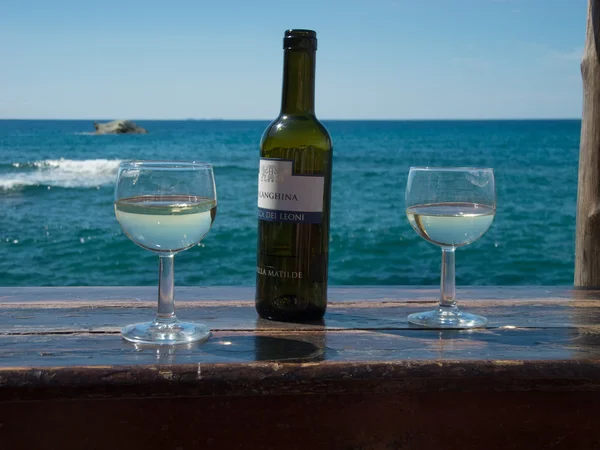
308 314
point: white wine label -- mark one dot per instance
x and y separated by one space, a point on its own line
286 197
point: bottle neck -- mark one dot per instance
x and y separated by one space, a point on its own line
298 82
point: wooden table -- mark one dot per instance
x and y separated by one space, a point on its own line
361 379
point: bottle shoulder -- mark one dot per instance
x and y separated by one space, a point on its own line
296 131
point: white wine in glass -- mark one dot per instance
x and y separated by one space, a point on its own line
165 223
450 207
165 207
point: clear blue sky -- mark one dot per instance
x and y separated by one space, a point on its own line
394 59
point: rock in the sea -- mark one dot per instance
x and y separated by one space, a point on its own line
119 127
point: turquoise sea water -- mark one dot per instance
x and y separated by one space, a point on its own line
57 224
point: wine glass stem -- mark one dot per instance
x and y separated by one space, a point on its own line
166 287
448 286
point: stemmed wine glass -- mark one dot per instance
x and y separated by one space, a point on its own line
450 207
165 207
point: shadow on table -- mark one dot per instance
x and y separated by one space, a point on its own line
238 348
267 348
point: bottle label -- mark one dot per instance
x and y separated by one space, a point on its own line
287 197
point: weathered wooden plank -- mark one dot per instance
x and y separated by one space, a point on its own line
266 379
587 239
222 295
561 329
409 421
234 363
242 316
340 346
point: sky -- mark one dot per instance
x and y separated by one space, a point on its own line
377 59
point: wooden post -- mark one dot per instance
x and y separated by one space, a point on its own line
587 249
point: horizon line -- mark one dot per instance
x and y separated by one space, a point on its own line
219 119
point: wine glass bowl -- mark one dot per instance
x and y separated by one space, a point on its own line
450 207
165 207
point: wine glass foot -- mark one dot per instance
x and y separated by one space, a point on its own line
447 317
165 334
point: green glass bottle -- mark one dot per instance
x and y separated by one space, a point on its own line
294 192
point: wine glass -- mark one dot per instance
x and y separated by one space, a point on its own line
450 207
165 207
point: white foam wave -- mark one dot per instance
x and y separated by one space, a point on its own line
66 173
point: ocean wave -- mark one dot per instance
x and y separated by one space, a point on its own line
65 173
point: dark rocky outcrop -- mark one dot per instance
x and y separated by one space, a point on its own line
119 127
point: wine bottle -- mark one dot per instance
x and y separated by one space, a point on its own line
294 191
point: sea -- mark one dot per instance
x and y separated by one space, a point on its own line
58 227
